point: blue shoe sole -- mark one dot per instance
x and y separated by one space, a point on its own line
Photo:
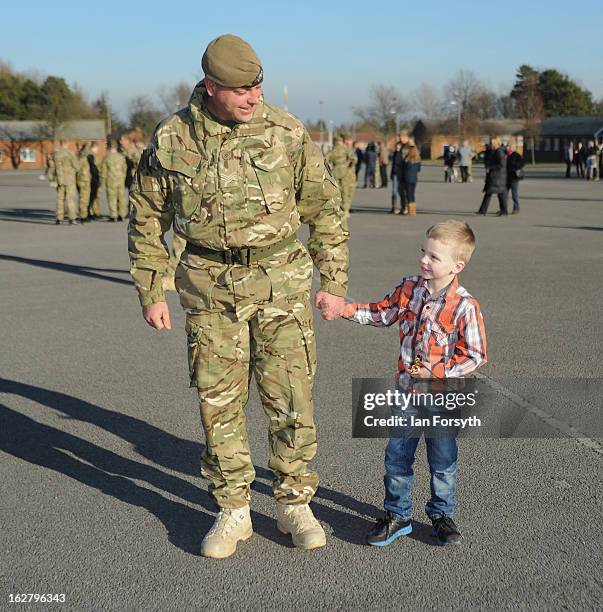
392 538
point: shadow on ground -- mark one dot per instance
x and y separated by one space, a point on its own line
112 474
70 268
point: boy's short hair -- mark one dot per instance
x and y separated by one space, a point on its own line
457 234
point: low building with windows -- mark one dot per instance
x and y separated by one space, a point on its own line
434 137
556 132
29 144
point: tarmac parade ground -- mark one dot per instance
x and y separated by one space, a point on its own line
100 435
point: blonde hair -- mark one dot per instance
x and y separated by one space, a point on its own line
456 234
495 142
413 154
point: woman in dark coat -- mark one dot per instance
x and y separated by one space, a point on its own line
496 178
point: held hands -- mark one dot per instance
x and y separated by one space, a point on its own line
157 315
330 306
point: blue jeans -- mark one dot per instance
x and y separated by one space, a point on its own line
442 453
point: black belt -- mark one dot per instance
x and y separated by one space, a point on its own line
243 256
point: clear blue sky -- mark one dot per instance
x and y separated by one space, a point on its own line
325 50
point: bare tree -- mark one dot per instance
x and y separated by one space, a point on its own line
174 97
144 115
385 107
471 98
427 101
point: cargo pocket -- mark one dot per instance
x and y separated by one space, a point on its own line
274 176
195 287
198 351
190 170
303 319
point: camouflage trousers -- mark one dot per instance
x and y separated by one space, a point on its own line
116 199
66 198
84 189
244 322
347 187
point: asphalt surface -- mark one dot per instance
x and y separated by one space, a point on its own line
100 436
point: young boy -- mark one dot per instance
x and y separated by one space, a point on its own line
441 325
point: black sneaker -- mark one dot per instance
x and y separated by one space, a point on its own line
388 529
57 222
446 531
119 219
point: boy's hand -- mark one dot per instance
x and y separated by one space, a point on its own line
422 372
157 315
348 310
331 306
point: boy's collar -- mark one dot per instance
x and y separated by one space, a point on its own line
450 290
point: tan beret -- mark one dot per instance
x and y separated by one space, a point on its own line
232 62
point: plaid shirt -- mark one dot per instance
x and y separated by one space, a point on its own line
445 330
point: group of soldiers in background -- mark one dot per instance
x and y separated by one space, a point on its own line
588 159
83 175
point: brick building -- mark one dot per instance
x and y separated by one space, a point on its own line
28 144
434 137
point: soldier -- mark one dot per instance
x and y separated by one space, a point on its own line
113 175
236 178
62 169
83 181
343 162
94 163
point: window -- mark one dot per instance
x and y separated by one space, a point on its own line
28 155
547 144
556 144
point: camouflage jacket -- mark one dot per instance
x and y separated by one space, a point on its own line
83 173
343 161
113 168
221 187
62 167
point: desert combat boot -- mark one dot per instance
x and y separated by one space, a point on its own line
299 521
231 525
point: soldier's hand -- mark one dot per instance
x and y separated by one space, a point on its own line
157 315
330 306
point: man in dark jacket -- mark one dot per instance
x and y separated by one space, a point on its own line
496 178
370 160
515 166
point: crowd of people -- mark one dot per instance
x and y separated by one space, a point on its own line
405 164
80 177
587 160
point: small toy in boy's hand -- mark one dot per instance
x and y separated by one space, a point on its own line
416 366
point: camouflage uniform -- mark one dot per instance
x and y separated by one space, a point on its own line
62 168
83 182
229 187
113 175
343 162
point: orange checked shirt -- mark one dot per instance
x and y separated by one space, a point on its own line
445 330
